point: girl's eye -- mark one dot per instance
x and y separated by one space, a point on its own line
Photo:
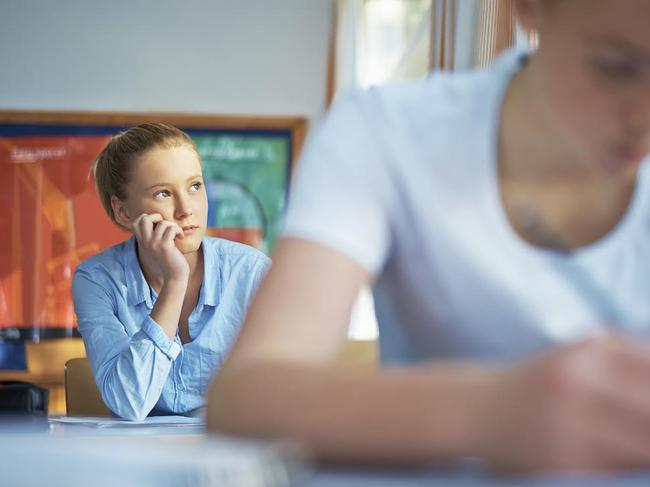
196 187
159 195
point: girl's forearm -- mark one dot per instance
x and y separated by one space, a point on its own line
167 310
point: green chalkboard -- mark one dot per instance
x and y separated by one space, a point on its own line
246 177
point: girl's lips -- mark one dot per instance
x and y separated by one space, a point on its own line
189 230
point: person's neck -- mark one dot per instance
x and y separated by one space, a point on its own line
532 149
545 187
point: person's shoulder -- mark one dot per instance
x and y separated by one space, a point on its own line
438 95
434 84
234 252
108 261
385 111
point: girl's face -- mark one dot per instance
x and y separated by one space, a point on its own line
169 181
592 77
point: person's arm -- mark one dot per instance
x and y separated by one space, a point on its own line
157 250
286 355
586 406
130 372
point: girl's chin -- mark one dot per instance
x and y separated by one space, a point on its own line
188 244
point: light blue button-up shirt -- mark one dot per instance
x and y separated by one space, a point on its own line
137 368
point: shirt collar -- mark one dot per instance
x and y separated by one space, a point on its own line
137 288
211 275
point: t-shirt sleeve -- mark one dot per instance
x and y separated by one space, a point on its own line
340 197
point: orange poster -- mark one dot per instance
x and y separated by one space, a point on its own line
51 220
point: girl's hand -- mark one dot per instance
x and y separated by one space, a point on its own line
156 246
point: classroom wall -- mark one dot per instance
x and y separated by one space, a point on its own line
209 56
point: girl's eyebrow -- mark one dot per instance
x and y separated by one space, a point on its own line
170 184
156 185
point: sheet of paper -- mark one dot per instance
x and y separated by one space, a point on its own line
153 421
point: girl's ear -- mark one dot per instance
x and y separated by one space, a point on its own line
121 212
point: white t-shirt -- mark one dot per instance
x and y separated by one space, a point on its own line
403 179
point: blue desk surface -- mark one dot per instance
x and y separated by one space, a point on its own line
319 477
376 478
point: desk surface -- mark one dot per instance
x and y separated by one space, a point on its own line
73 455
377 478
74 441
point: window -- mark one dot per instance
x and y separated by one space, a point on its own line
395 39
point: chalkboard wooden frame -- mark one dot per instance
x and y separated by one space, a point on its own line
296 125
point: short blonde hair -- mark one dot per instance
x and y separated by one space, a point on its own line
113 167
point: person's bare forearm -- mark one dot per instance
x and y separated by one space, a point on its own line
400 416
167 310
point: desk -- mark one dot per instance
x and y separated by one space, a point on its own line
45 364
142 456
68 455
377 478
52 381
